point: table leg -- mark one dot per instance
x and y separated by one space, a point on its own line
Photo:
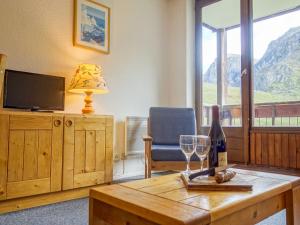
91 209
101 213
293 207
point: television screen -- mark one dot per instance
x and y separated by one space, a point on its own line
24 90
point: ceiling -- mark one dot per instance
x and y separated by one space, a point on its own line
226 13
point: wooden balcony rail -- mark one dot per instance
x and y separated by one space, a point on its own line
265 114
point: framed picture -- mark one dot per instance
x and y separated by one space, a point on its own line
91 25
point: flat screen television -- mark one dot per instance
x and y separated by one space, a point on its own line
33 91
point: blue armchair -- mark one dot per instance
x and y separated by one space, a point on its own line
162 150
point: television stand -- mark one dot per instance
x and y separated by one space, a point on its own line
50 157
43 111
38 109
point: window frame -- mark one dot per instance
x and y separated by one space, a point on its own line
247 83
246 24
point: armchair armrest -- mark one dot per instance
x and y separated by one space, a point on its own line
148 143
147 138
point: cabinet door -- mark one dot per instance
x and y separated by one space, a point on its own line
35 155
4 129
84 152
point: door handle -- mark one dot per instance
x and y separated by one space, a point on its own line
244 73
57 123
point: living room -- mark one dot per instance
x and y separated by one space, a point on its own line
113 63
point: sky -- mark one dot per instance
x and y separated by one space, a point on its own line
263 33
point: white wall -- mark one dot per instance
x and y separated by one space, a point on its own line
190 53
36 35
177 53
181 62
151 61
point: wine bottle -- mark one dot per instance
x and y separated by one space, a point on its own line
217 155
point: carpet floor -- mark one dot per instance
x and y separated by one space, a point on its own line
75 212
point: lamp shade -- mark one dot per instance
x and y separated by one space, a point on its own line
88 77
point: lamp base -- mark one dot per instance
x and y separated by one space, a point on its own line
88 108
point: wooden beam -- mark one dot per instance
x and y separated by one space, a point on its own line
198 62
293 130
246 73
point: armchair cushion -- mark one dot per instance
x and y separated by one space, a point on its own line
167 124
169 153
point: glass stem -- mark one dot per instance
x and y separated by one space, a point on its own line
201 164
188 164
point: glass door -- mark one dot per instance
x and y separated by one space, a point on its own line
275 137
221 82
250 67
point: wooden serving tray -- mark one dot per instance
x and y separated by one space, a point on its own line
238 183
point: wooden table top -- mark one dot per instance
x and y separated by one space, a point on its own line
165 200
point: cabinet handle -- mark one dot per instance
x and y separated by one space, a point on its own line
69 123
57 123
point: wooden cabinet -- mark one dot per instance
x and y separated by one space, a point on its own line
42 153
4 125
87 151
31 149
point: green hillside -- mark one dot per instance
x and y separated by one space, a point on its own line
276 73
234 96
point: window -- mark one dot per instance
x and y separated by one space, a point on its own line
276 62
276 69
232 79
221 61
209 71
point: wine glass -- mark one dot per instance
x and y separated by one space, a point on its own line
202 147
187 147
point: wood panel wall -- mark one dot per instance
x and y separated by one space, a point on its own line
235 145
275 149
234 142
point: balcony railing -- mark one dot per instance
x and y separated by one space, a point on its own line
265 114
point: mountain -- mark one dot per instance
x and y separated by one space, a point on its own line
278 71
279 68
233 71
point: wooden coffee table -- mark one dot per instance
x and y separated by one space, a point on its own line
165 200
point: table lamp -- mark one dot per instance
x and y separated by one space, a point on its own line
88 79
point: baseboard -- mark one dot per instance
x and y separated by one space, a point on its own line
128 175
44 199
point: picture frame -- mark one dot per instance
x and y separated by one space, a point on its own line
91 26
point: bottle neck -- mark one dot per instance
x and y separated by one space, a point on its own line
216 130
216 121
215 113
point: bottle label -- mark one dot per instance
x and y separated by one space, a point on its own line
222 159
